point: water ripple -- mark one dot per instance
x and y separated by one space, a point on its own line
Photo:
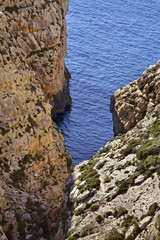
109 44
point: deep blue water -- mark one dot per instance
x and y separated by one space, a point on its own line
110 43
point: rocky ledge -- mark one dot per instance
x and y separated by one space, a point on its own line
131 103
115 195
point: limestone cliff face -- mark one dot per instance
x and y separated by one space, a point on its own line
115 195
38 29
131 103
34 161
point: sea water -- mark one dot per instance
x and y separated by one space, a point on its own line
110 43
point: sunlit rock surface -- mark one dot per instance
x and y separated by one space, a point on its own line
116 194
131 103
34 161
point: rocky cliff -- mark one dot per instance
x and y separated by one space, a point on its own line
34 161
37 29
116 194
131 103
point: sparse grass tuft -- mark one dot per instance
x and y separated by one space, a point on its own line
107 214
99 219
94 207
107 180
90 175
120 212
115 236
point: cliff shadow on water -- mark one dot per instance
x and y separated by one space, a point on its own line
61 117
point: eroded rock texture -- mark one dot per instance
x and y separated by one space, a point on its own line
34 161
131 103
38 29
115 195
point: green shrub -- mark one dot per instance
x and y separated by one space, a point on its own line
86 232
74 236
147 174
120 136
99 218
131 179
100 165
128 221
130 237
120 212
135 232
150 147
152 209
130 147
127 164
107 180
109 198
69 162
82 167
136 229
152 161
78 212
122 187
104 149
107 214
94 207
115 236
90 175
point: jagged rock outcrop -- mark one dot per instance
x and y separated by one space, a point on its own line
38 30
116 194
131 103
34 161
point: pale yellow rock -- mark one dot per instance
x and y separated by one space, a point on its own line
34 161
